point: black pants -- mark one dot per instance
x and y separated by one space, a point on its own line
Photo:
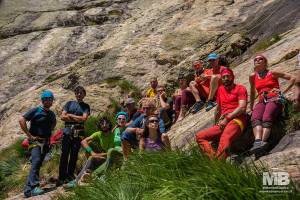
69 155
37 157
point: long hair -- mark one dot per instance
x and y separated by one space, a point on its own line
102 120
146 132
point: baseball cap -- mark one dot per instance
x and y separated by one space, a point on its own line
129 101
212 56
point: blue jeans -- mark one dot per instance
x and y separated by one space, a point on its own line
69 155
37 157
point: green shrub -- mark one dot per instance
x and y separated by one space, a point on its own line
177 175
127 87
265 43
292 122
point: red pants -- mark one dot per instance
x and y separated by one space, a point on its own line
185 99
225 137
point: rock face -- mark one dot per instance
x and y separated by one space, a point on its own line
57 44
286 156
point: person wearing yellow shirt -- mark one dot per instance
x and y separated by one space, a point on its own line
152 92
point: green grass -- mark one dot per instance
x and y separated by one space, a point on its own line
12 176
177 175
267 42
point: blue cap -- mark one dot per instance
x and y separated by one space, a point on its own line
212 56
122 113
47 94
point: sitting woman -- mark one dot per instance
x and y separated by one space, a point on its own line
266 111
151 140
102 141
183 97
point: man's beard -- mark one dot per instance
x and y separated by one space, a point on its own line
227 83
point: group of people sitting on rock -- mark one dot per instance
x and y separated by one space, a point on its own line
145 128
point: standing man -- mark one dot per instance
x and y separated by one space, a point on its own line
74 114
206 84
230 117
42 122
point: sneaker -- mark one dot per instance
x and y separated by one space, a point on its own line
70 185
210 105
59 183
37 191
197 107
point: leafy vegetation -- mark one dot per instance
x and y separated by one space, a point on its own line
292 122
177 175
127 87
11 173
265 43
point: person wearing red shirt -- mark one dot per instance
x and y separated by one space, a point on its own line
206 83
230 117
265 83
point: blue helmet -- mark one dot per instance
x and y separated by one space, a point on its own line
47 94
122 113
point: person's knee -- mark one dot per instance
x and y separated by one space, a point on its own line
215 78
267 124
164 137
193 84
199 137
255 123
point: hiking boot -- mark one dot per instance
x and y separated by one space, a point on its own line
197 106
262 150
70 185
210 105
257 146
35 192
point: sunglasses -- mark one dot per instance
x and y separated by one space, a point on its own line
147 108
258 58
153 121
121 119
48 99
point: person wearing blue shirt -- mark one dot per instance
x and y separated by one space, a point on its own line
74 114
135 130
42 122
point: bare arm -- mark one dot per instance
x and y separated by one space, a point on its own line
65 117
85 145
285 76
252 91
163 104
142 144
241 109
76 118
217 113
138 131
24 128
